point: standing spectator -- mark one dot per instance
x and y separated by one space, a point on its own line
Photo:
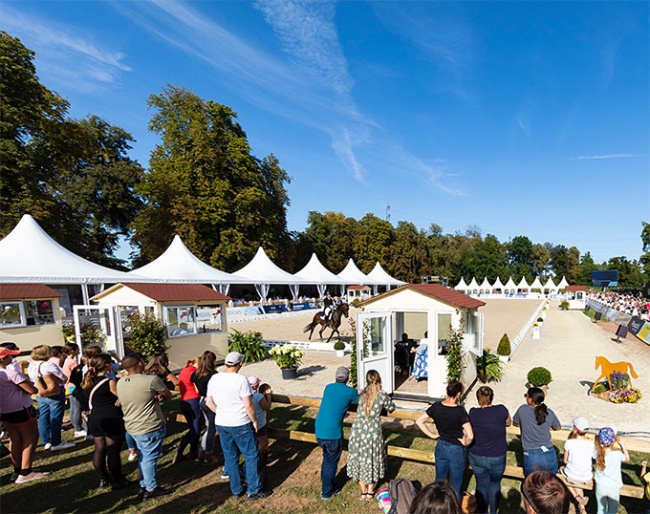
578 452
608 470
488 453
159 365
645 478
536 421
455 433
545 493
336 401
50 410
19 417
71 368
230 398
366 454
191 409
105 422
262 400
207 367
140 396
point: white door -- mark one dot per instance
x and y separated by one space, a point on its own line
375 348
105 322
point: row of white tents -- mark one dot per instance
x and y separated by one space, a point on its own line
29 255
473 288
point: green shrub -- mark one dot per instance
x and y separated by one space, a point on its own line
489 367
249 344
600 388
339 345
539 376
454 358
540 320
504 346
146 335
355 302
90 334
564 305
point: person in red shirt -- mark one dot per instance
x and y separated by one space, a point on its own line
191 409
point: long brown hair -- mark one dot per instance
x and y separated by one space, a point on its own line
96 365
601 450
541 410
157 365
207 364
370 392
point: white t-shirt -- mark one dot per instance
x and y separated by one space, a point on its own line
610 478
227 391
578 466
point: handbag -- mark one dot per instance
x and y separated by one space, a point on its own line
48 386
86 414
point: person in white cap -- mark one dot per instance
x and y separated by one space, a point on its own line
231 399
578 451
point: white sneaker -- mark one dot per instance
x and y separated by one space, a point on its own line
133 456
80 433
61 446
47 446
34 475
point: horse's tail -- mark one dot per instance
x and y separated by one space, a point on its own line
632 372
310 326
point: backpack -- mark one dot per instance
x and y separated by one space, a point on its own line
402 492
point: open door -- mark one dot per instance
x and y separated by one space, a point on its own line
101 319
374 348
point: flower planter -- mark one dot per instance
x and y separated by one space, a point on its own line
535 332
340 353
289 373
504 358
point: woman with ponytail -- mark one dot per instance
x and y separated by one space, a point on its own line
105 421
366 452
536 421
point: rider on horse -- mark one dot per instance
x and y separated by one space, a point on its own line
328 304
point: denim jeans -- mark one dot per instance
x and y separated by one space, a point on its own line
535 460
488 472
207 442
149 451
332 449
192 412
607 499
75 414
236 440
450 464
130 442
50 418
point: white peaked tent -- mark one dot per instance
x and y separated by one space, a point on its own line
379 274
485 286
29 255
317 274
563 283
536 284
497 287
550 286
178 264
351 275
262 272
523 285
510 287
461 286
472 288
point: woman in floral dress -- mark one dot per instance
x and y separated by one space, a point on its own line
366 452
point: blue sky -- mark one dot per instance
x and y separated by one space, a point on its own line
520 118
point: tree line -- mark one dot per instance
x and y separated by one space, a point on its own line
204 183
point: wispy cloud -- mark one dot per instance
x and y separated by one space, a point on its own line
81 63
607 156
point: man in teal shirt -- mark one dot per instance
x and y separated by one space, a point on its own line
337 398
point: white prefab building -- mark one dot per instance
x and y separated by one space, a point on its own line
30 315
194 316
576 296
425 312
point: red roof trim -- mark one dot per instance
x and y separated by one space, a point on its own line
575 288
442 293
177 292
27 292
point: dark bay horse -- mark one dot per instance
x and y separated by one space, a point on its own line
334 322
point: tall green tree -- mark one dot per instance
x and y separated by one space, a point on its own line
73 176
373 238
410 259
521 258
645 240
630 273
205 185
489 259
331 236
587 265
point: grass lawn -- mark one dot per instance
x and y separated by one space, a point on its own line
293 476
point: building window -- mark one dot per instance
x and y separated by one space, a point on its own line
28 312
11 314
180 320
209 318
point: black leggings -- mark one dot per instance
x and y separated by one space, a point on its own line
107 452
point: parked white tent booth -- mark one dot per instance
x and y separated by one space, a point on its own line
538 286
352 275
497 287
461 286
194 316
177 264
549 287
510 288
563 284
576 296
473 288
523 287
30 315
418 309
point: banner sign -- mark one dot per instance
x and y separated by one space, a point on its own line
268 309
303 306
240 312
637 326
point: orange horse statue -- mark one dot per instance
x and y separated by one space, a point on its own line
607 368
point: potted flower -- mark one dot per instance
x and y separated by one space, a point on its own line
288 357
489 367
544 313
339 346
536 330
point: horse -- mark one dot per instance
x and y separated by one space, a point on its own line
334 322
607 368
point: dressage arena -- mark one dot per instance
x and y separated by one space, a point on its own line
568 347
